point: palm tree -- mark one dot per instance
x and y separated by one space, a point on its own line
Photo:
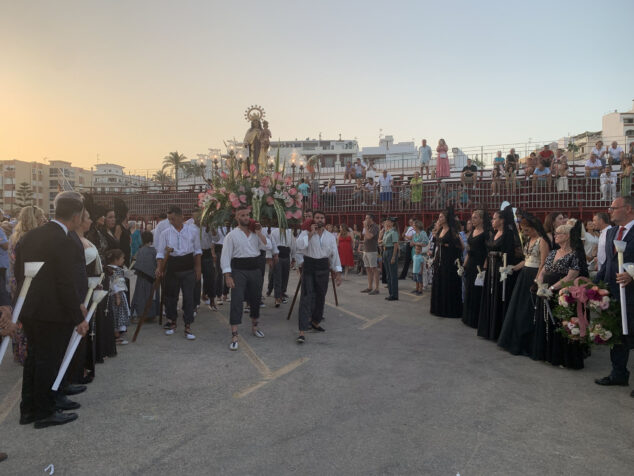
162 178
174 161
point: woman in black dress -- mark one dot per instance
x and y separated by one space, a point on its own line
476 256
496 295
519 324
446 299
561 265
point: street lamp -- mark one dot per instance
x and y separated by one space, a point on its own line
293 167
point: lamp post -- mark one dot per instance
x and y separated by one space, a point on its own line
301 168
293 167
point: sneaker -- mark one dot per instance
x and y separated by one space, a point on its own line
122 342
373 293
233 345
262 304
213 307
195 312
207 301
227 299
169 332
301 339
284 300
189 335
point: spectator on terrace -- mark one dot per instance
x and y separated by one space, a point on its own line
357 193
370 173
600 151
615 154
304 189
359 169
405 193
442 161
330 192
498 161
468 175
561 175
496 177
417 189
541 176
626 176
529 167
440 198
559 157
608 184
370 192
630 154
348 173
512 159
546 157
385 184
593 166
511 178
424 155
464 200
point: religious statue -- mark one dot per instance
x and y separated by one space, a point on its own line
265 142
253 138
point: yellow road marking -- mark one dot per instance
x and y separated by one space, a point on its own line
270 378
353 314
10 400
372 322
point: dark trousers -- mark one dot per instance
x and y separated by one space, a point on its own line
248 287
619 355
408 261
47 345
391 272
271 282
220 287
280 275
176 282
313 297
198 287
209 277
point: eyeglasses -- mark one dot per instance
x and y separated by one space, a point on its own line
611 209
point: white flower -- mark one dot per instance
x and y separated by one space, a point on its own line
575 331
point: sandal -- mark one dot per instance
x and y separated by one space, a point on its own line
234 341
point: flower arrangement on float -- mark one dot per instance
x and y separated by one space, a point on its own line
587 312
273 199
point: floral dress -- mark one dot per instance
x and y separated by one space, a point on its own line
417 189
120 313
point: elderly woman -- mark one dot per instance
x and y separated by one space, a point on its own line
562 265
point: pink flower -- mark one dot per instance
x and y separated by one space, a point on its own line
241 188
235 203
218 206
246 174
298 214
201 195
604 292
604 305
223 190
289 202
569 299
266 190
243 198
276 175
269 200
293 191
223 175
232 197
298 202
289 215
288 180
252 168
278 187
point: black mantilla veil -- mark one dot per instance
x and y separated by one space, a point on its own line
508 217
576 244
94 210
486 220
120 210
452 223
536 225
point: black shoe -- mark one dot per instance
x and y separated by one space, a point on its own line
392 298
62 402
317 328
74 389
301 339
27 418
611 381
57 418
3 456
86 379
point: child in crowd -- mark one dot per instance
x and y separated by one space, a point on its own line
117 301
419 264
145 269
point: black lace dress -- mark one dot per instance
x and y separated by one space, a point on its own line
496 296
476 256
549 345
446 288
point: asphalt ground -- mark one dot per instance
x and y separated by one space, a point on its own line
387 389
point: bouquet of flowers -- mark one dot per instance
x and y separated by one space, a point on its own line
587 313
273 198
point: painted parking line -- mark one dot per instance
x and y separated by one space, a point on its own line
270 378
350 313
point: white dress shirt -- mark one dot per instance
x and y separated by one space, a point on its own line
206 240
64 227
184 242
601 246
238 245
160 228
324 246
287 239
385 183
219 237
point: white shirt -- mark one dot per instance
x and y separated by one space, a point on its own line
409 233
238 245
206 240
615 153
601 246
358 168
219 237
598 152
184 242
385 183
271 248
370 173
593 165
287 239
608 179
160 228
324 246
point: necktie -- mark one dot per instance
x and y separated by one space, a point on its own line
619 236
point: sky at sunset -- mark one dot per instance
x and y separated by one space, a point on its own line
130 81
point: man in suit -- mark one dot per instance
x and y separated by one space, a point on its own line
622 215
51 311
7 327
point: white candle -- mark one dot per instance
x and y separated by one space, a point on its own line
620 248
